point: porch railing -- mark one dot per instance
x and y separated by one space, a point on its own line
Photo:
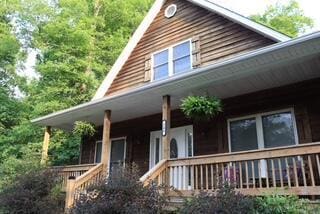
282 170
78 185
64 172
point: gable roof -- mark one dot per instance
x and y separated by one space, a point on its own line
153 12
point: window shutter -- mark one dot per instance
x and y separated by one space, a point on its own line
196 60
303 124
147 68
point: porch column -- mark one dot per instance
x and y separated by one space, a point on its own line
45 145
106 143
166 121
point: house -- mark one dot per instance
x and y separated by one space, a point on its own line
266 140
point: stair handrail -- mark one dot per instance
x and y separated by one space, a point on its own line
154 172
94 175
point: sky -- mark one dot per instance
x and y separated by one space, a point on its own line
243 7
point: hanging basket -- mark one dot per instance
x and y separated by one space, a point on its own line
201 107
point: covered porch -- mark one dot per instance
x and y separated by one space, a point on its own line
264 141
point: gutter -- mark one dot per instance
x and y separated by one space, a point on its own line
192 73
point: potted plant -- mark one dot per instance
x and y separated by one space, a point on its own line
201 107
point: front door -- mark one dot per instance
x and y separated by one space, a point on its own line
118 153
181 146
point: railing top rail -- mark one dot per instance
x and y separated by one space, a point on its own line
73 167
88 175
154 171
287 151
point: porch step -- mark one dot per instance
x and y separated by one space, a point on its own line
174 203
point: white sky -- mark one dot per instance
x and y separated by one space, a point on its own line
245 7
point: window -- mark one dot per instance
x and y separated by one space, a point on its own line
262 131
173 60
98 152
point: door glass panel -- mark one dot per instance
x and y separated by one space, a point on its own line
278 130
157 151
243 135
173 148
189 139
98 152
117 153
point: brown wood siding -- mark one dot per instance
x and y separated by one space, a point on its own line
219 39
212 137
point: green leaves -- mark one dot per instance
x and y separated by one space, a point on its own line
201 107
288 19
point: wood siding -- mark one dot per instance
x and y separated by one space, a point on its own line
219 39
212 137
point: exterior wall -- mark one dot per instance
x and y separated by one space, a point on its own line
212 137
219 39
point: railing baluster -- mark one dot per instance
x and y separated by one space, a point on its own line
303 172
197 184
253 174
217 176
240 169
211 171
280 172
318 164
201 176
311 170
295 172
259 173
228 173
207 178
222 173
247 174
288 172
274 184
192 177
234 167
267 173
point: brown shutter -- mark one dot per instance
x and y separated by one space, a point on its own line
303 124
147 68
196 60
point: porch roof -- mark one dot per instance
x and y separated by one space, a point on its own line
273 66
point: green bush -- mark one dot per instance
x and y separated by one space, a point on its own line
275 204
201 107
35 192
121 193
225 200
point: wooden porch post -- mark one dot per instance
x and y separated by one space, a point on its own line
45 146
166 120
106 143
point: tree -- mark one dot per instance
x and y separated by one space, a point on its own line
288 19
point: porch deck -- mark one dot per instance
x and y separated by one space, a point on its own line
291 170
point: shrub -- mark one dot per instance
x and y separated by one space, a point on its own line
34 192
275 204
121 193
201 107
225 200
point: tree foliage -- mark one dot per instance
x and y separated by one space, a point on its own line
76 41
288 19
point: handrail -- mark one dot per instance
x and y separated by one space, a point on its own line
154 172
302 149
69 168
80 183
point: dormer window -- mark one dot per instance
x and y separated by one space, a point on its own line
173 60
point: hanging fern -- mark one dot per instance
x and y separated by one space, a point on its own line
201 107
84 128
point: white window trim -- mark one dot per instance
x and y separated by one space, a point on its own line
170 58
259 128
95 148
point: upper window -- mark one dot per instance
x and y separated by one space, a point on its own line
173 60
262 131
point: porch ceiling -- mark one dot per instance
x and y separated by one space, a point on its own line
280 64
